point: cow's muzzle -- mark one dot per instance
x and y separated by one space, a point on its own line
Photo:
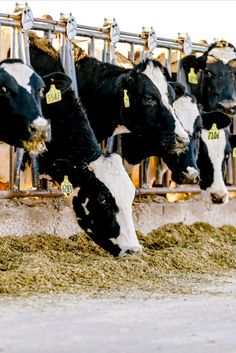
40 132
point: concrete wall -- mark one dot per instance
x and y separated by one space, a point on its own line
55 216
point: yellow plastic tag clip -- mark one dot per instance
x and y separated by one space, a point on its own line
53 95
213 133
192 77
66 186
126 99
234 152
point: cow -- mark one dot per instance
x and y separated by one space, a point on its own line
119 100
183 166
211 77
213 156
103 192
22 123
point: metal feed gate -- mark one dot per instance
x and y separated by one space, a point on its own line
63 33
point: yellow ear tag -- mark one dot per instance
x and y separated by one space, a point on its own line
213 133
126 99
66 186
234 152
192 77
53 95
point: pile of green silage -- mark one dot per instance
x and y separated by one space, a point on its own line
46 263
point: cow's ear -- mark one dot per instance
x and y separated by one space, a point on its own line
178 88
232 140
188 62
220 119
59 79
125 81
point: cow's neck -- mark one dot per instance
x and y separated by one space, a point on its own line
97 85
73 144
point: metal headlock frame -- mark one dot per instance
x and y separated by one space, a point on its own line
23 21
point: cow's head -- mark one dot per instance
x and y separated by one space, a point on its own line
183 166
213 155
104 207
22 123
215 86
149 111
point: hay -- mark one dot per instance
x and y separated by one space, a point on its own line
46 263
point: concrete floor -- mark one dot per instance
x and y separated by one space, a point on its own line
139 323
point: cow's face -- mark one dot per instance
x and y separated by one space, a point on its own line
150 112
216 70
21 120
104 208
213 156
183 166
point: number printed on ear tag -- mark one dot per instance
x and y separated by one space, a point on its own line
53 95
66 186
126 99
213 133
192 77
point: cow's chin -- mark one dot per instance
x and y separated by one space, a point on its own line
38 147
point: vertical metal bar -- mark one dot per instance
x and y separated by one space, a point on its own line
21 52
11 166
35 169
62 50
18 162
169 62
91 47
131 53
26 44
159 171
104 52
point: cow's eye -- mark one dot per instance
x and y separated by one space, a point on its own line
3 89
148 99
210 74
227 156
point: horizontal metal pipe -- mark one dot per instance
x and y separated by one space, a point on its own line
166 190
96 32
30 193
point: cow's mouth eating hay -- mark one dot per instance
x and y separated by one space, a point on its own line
34 146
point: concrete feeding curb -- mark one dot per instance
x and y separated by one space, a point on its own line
20 217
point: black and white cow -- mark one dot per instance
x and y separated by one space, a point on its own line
103 192
22 123
212 77
211 153
213 156
121 100
182 165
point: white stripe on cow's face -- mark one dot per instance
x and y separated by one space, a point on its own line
187 112
216 153
111 172
155 74
21 73
225 54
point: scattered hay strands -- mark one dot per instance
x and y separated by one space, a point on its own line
46 263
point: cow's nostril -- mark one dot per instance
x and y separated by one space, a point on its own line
32 129
218 198
135 250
